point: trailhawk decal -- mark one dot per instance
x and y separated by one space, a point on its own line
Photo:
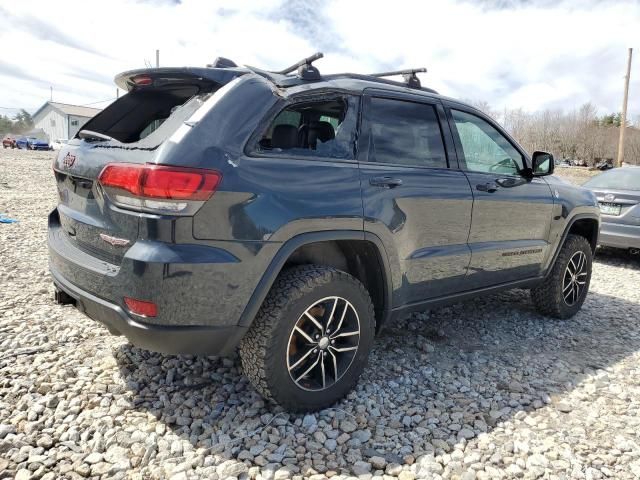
531 251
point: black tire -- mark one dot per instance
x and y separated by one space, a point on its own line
265 351
548 298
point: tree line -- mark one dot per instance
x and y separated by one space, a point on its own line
20 123
579 134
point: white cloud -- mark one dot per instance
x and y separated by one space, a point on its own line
510 53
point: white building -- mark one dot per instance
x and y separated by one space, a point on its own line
61 120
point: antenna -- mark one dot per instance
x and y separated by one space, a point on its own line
409 75
306 70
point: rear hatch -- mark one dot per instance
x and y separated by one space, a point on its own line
618 193
621 206
131 131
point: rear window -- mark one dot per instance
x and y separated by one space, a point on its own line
618 179
405 133
139 113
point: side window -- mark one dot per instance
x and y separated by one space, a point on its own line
404 132
320 129
485 148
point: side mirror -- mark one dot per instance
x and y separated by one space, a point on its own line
542 164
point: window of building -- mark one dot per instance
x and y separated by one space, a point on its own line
74 123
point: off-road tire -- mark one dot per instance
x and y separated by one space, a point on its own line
547 297
263 349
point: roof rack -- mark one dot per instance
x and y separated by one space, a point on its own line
306 70
409 75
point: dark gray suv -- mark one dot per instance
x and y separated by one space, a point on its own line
293 214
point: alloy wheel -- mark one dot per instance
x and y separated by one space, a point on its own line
323 343
575 278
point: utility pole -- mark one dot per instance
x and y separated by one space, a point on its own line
157 58
623 120
51 96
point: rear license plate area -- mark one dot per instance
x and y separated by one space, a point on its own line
610 208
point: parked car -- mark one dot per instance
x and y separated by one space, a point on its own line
8 141
58 143
32 143
294 215
604 165
565 163
618 192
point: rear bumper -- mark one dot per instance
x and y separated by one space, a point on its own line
164 339
195 287
619 235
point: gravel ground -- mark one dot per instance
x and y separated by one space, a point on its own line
487 389
577 175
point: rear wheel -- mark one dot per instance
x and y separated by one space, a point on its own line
564 291
311 339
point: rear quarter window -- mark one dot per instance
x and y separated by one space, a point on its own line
310 128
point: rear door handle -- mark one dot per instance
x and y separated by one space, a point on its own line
386 182
489 187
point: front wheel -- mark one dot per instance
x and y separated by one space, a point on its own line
311 338
563 292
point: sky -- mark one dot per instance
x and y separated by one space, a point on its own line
529 54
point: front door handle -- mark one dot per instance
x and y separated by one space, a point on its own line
489 187
510 182
386 182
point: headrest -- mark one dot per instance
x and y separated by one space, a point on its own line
284 136
323 131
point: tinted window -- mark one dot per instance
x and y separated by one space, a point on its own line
485 148
406 133
320 129
617 179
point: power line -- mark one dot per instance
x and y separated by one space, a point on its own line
101 101
80 105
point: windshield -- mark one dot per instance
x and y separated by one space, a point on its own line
618 179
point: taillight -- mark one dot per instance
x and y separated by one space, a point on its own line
141 307
158 187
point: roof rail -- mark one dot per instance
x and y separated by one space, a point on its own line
409 75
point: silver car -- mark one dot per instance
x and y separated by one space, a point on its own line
618 193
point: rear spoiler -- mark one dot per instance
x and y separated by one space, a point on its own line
157 77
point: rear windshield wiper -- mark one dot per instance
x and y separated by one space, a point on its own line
91 136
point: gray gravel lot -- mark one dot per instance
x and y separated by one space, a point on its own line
487 389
